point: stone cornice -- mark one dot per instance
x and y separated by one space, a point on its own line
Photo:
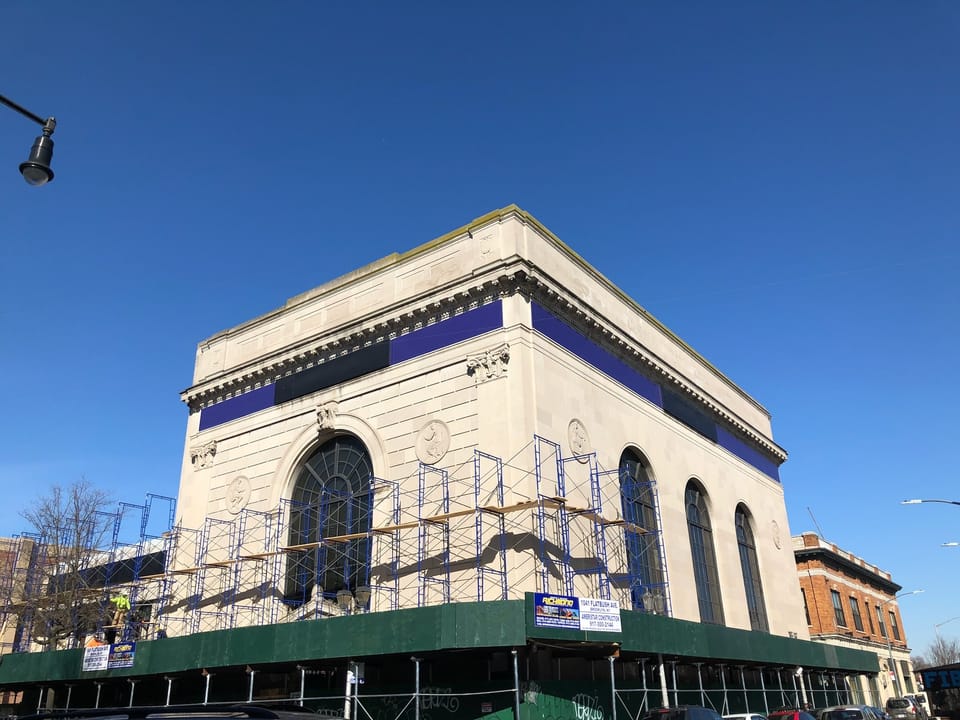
570 308
260 372
518 278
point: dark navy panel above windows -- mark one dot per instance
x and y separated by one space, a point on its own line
678 407
237 407
358 363
446 332
333 372
747 452
603 360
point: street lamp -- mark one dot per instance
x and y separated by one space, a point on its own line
936 628
36 170
891 666
917 501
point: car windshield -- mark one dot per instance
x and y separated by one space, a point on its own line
898 703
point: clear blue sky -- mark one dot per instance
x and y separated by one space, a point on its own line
776 182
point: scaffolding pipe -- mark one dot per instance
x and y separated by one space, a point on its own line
763 687
743 684
40 699
723 683
613 690
643 674
206 688
416 688
250 691
169 689
133 687
96 702
69 693
516 686
664 697
356 690
673 676
303 683
346 691
803 687
700 684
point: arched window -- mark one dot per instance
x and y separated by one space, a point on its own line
751 571
638 503
704 558
331 499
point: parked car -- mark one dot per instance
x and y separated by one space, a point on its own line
790 714
683 712
921 702
848 712
905 708
745 716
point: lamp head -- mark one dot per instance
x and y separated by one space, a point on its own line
36 170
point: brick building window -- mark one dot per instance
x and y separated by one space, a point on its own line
806 608
907 675
855 612
838 615
883 628
894 628
866 607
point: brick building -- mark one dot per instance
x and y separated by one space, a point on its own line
852 603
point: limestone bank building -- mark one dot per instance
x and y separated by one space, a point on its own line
402 466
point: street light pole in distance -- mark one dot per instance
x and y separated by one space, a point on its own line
890 666
36 169
936 628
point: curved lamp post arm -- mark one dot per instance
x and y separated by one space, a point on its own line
918 501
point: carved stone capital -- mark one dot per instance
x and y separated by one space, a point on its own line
202 455
490 364
327 416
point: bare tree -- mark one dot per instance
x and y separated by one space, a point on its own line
940 652
71 523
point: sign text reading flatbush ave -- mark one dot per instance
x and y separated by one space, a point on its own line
576 613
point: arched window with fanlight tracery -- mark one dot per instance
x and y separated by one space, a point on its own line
641 532
331 498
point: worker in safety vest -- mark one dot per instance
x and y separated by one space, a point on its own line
121 606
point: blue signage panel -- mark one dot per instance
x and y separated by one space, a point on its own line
557 611
121 655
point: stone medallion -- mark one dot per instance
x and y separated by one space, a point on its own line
577 437
238 494
433 441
